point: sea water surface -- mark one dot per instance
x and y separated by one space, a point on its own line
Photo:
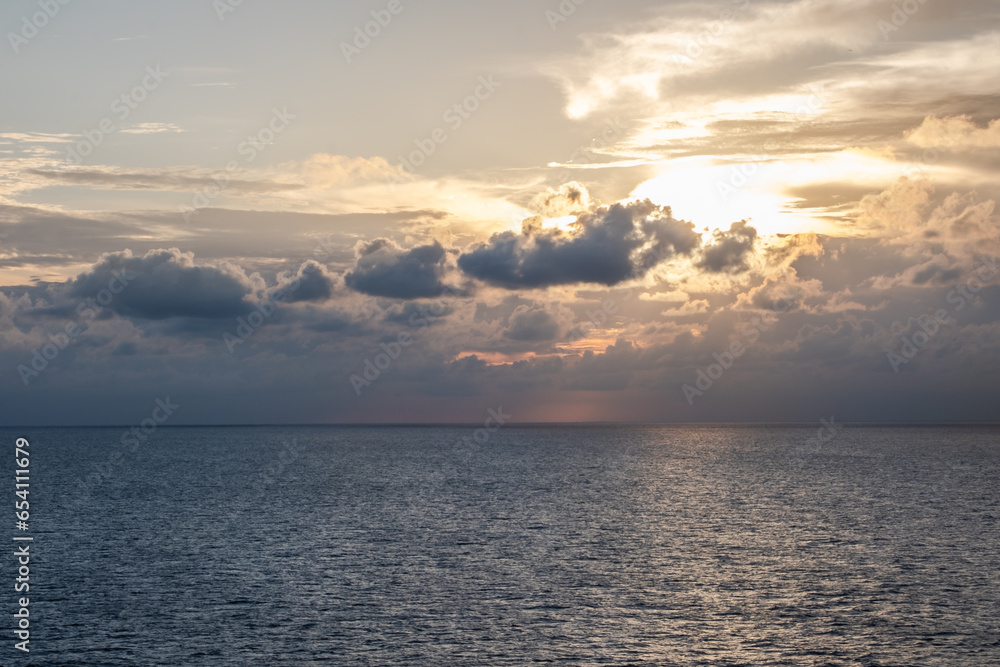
674 545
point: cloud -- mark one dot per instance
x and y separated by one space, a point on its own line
314 283
907 215
706 52
962 217
955 132
37 137
841 330
606 246
413 313
324 170
783 250
899 207
152 128
568 199
936 273
168 283
385 269
174 180
781 293
695 307
532 324
729 250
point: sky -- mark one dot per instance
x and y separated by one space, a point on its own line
424 211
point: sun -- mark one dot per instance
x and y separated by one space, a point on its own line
715 193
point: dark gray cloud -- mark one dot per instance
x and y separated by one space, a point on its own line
729 249
937 274
166 283
501 311
312 282
532 324
419 313
385 269
609 245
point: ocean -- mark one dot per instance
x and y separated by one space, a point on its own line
575 545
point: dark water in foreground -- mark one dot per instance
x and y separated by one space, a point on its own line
579 546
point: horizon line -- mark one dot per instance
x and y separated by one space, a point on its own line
759 424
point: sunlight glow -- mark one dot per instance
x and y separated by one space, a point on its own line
564 223
714 194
